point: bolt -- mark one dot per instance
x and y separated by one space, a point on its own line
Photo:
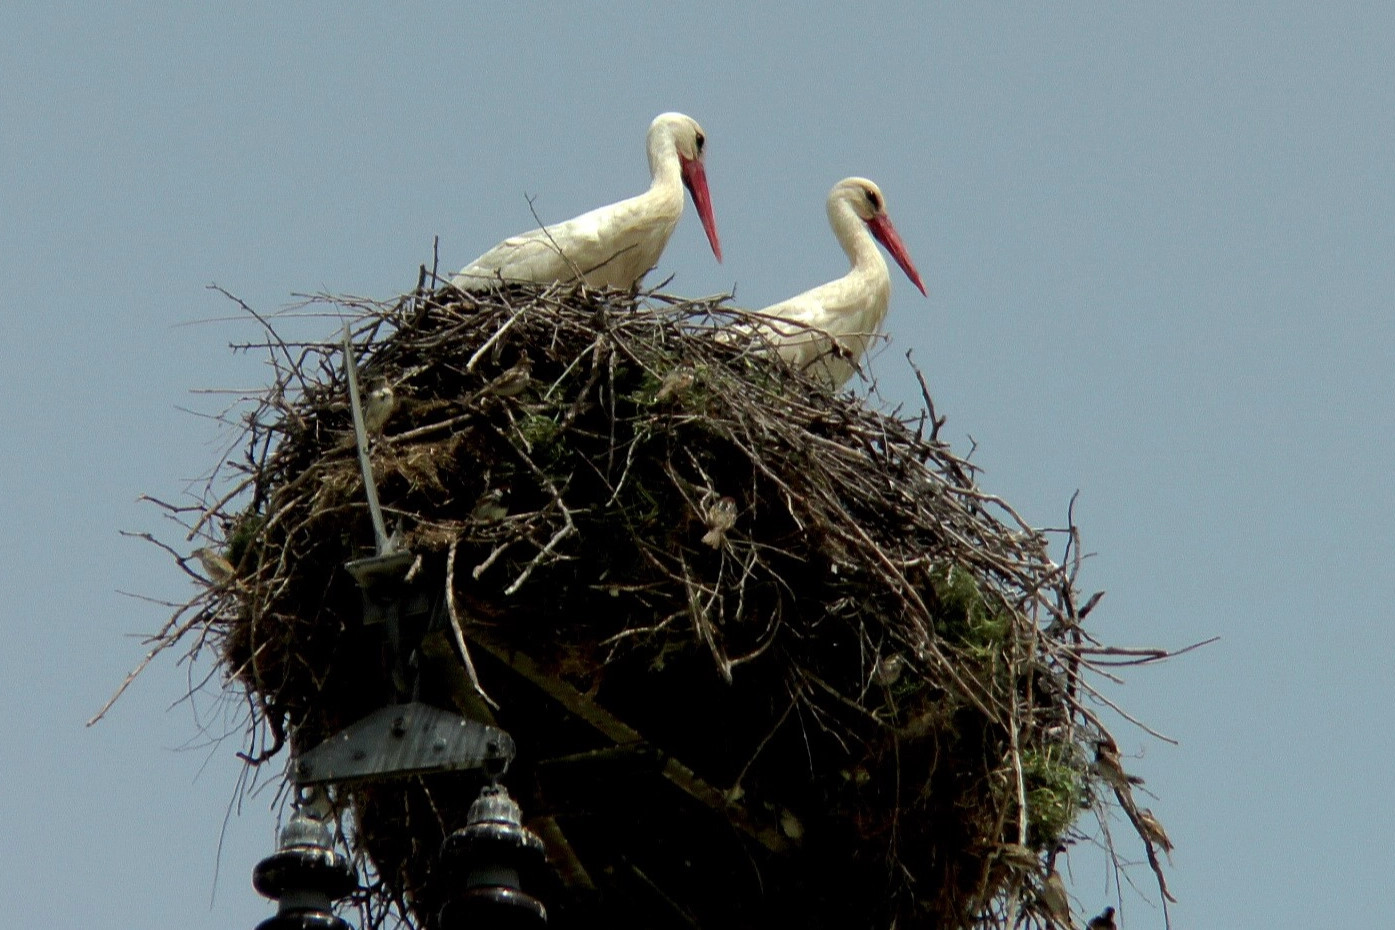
399 726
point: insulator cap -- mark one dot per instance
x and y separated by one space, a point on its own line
305 876
304 829
493 835
486 856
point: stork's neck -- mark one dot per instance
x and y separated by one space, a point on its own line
664 170
854 237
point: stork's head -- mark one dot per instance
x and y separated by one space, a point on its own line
690 143
868 203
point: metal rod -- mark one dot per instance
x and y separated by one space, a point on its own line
380 537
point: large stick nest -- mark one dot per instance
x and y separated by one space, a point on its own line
769 655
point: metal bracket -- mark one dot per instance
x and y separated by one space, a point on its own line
386 594
405 739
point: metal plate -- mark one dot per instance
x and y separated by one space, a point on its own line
404 739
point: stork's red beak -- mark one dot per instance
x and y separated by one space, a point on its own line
695 180
886 234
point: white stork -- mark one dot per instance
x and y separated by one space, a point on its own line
826 330
617 244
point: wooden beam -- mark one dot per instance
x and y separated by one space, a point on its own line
622 734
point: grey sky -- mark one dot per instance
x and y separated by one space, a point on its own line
1158 240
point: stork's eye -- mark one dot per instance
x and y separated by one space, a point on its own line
874 200
700 140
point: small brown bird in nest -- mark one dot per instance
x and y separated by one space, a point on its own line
720 517
1109 767
379 407
675 384
1018 857
218 569
1104 920
1153 830
1054 898
490 508
512 382
888 672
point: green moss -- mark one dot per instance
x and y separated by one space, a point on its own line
907 686
648 388
243 534
1055 785
965 615
538 429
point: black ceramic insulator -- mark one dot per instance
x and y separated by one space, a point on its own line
304 877
489 856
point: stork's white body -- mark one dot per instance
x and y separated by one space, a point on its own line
826 331
847 313
613 245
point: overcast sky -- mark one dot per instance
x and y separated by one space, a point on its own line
1158 240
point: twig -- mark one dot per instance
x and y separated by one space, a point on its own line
455 625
